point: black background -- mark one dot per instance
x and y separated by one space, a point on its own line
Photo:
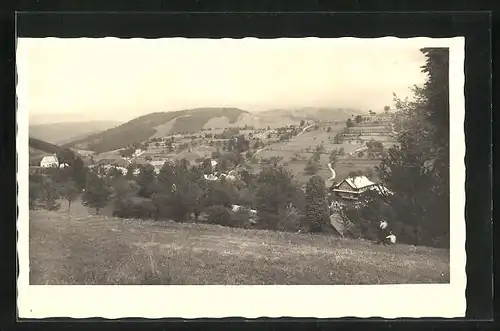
153 24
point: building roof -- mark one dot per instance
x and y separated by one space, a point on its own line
359 182
157 163
49 159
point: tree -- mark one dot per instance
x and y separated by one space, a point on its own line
130 172
127 152
352 174
66 155
69 191
417 169
311 168
96 192
179 191
333 157
358 119
369 173
276 189
337 138
302 123
145 180
349 123
317 205
386 109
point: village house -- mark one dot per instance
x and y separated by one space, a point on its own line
49 161
351 188
157 165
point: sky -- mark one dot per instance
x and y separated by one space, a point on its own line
119 79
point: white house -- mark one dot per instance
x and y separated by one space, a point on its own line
49 161
352 187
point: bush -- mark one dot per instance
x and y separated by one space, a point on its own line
134 207
292 221
219 215
241 219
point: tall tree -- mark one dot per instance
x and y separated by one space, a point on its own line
96 192
317 205
417 169
146 179
276 190
69 191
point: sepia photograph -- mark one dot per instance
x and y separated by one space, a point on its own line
332 164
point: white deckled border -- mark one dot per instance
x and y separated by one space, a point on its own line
433 300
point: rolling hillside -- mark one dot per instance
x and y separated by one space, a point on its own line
42 147
63 132
161 124
283 117
144 127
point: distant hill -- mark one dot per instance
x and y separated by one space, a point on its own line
64 132
144 127
43 146
162 124
283 117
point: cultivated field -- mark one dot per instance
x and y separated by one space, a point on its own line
297 145
82 249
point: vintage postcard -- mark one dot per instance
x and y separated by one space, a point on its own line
193 178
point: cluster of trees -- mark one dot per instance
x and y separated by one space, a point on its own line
416 170
46 189
180 193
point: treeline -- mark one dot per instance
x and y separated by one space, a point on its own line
43 145
271 199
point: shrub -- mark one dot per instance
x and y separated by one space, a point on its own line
134 207
219 215
241 218
292 221
311 168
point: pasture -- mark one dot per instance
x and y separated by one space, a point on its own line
288 150
72 248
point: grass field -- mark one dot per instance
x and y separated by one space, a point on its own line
81 249
297 145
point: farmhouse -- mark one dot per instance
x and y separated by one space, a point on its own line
351 188
157 165
49 161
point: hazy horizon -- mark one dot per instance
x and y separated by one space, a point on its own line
119 79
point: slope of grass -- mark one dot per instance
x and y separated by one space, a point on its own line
80 249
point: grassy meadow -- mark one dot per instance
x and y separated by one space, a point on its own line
78 248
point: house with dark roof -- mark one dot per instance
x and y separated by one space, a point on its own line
352 187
